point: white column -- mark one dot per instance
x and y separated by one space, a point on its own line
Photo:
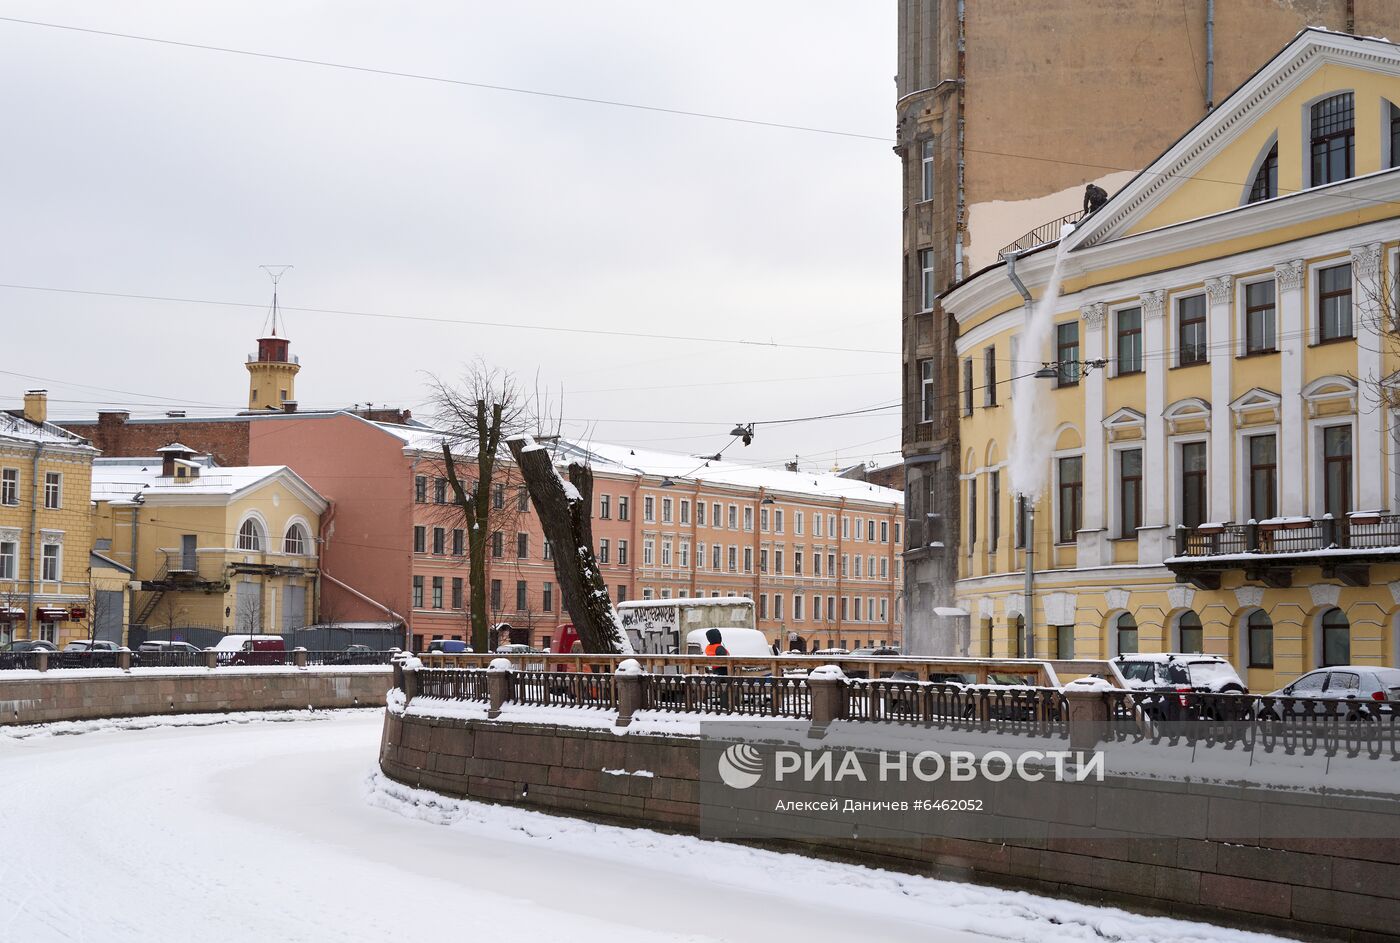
1093 546
1292 454
1222 359
1154 495
1366 319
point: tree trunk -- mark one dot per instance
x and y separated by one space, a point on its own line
565 517
476 509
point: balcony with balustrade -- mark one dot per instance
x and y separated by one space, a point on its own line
1270 551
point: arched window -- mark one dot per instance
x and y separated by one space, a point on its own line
1336 638
1127 629
250 536
1261 640
296 540
1190 635
1266 180
1333 135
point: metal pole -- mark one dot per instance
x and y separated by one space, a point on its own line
1028 647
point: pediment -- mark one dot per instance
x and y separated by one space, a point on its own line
1204 173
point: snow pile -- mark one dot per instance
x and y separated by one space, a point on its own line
644 773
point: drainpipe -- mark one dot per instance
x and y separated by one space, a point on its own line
1028 613
1210 56
34 533
962 126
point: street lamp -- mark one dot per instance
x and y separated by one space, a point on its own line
744 432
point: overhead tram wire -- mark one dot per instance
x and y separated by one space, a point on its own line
468 322
419 77
710 116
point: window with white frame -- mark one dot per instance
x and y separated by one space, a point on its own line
1128 337
1070 489
928 397
604 550
1193 483
733 558
700 513
797 607
649 509
1337 470
928 289
778 520
685 511
1334 302
9 557
250 536
1260 316
777 605
927 150
748 559
9 486
748 517
53 490
1192 344
666 553
733 517
51 562
798 522
296 540
715 518
685 555
666 510
1333 139
648 552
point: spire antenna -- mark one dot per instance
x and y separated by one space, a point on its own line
275 272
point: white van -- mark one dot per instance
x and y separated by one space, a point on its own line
657 626
741 643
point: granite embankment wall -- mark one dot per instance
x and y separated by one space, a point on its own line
88 694
1185 848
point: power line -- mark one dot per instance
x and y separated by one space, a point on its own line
642 335
419 77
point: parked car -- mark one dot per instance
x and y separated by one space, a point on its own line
182 647
17 654
357 655
448 646
261 651
1173 670
832 652
1367 691
1172 676
98 653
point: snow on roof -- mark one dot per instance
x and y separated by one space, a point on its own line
622 459
176 447
46 433
686 601
120 480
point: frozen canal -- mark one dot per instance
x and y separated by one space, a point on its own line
282 831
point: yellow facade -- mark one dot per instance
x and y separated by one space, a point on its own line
45 527
225 550
1249 362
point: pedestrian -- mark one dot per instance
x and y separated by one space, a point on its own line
715 649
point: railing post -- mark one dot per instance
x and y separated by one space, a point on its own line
498 685
124 660
629 679
1088 718
410 682
398 674
1181 534
829 697
41 660
1251 536
299 657
211 658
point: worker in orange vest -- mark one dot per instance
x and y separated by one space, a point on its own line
715 649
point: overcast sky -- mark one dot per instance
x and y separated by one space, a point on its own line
154 170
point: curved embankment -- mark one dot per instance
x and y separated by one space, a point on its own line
34 697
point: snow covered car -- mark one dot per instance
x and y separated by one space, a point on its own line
1168 679
1176 671
1356 692
98 653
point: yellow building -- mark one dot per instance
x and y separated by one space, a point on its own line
45 527
214 550
1215 433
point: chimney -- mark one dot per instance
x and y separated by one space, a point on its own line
175 414
289 406
112 417
170 455
36 406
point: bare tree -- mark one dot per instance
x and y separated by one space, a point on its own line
475 416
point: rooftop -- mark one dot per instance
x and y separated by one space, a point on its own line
14 426
120 480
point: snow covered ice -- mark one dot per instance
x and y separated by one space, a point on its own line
245 827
